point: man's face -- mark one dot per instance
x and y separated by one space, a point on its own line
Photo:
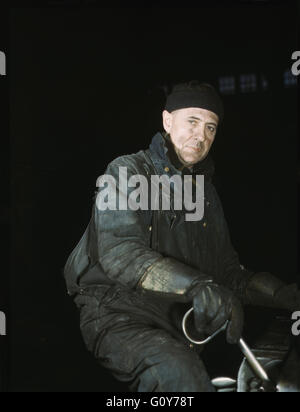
192 132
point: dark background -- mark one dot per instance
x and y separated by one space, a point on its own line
86 85
4 200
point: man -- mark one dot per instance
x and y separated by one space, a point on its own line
136 271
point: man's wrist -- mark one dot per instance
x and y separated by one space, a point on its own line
262 290
171 278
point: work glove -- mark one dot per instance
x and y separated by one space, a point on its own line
264 289
288 297
213 306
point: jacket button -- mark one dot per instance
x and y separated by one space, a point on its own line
167 169
204 224
81 291
150 228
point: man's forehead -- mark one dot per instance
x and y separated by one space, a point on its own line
197 112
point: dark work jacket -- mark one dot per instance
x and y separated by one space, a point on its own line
120 245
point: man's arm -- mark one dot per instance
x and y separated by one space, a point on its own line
267 290
256 289
124 250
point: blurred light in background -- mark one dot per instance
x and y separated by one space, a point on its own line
227 85
248 83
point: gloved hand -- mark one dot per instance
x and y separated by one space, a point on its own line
288 297
213 306
265 289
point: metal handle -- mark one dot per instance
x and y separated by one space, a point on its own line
249 355
198 342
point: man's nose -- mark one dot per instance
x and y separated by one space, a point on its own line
200 134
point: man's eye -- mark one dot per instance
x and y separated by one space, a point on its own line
211 129
193 122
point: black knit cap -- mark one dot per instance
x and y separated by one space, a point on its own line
195 94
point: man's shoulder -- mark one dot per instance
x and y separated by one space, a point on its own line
134 161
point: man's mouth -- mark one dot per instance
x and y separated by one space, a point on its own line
196 149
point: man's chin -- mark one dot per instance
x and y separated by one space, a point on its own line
191 161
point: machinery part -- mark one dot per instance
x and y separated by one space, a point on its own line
225 384
259 371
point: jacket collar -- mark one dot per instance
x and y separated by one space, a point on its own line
164 156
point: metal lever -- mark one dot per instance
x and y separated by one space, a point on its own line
253 362
249 355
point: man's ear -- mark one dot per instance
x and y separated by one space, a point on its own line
167 120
